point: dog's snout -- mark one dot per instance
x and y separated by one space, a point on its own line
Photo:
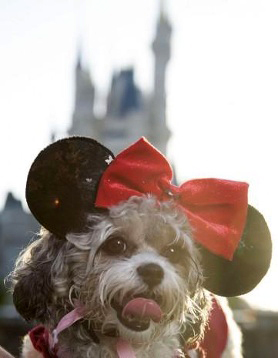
152 274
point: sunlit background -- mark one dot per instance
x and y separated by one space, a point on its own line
222 86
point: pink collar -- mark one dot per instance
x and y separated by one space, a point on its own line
66 321
124 349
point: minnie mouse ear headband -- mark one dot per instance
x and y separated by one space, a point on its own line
77 176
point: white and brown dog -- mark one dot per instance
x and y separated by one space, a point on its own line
125 262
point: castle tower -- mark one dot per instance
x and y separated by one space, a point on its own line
130 114
83 117
161 48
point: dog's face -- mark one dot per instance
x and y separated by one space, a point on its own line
141 252
136 271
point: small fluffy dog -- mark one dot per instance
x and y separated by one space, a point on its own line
130 276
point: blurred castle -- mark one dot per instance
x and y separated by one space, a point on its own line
129 114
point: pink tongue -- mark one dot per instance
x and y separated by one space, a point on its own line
143 308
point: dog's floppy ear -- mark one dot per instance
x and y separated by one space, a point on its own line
62 181
250 262
32 292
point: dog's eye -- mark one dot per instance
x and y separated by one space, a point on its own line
174 253
114 246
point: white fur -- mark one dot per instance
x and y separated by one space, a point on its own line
28 351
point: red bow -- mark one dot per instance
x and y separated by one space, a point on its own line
215 208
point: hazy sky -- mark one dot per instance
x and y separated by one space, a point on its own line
222 85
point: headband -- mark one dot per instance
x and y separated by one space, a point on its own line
76 176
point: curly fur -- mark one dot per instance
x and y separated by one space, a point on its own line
52 273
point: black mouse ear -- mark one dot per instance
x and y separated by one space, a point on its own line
250 262
62 182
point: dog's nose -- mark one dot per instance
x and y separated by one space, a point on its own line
152 274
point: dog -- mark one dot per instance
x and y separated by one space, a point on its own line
124 280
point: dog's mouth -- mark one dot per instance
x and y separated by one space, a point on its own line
136 313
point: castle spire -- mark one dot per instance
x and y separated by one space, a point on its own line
161 49
83 117
162 9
